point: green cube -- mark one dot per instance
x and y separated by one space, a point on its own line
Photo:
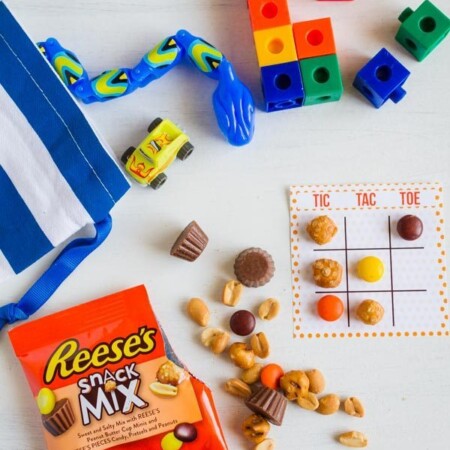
422 30
321 79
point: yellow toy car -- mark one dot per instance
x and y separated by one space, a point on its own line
165 142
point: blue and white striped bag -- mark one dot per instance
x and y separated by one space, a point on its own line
55 174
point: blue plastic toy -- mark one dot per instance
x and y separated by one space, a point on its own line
232 101
381 79
282 86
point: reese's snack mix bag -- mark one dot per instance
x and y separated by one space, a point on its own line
104 376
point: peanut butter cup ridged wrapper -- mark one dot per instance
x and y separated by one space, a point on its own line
191 243
269 404
60 419
254 267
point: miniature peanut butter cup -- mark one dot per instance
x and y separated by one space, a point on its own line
60 419
254 267
269 404
191 243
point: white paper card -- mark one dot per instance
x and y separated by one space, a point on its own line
413 290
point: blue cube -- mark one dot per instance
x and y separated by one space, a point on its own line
381 79
282 86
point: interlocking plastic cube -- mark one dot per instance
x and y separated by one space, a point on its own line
422 30
282 86
275 45
381 79
268 14
322 79
314 38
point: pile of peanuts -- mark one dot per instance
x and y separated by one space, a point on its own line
302 387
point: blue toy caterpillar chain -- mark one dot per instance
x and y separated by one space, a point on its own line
233 103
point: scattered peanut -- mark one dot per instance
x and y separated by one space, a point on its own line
354 407
198 311
322 229
327 273
260 345
216 339
164 390
242 356
237 387
316 381
370 312
256 428
232 293
309 402
353 439
267 444
269 309
295 384
329 404
252 375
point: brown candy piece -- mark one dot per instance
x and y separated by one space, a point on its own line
269 404
191 243
410 227
185 432
242 322
254 267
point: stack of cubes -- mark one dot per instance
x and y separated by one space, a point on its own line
298 61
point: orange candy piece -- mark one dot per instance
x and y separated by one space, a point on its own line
330 308
270 376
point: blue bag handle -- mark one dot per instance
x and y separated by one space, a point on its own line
67 261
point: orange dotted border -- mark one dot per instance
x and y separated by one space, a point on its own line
295 249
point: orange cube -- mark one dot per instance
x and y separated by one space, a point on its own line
314 38
268 13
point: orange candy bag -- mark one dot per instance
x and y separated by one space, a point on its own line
104 376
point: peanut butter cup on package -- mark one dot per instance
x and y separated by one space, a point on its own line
254 267
60 419
190 243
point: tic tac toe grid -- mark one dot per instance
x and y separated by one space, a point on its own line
413 290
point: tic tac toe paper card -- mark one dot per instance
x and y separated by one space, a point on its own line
413 289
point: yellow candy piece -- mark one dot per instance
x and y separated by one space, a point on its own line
46 401
170 442
370 269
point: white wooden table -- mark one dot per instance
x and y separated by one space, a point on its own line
240 197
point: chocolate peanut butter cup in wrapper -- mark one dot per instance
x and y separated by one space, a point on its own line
191 243
60 419
254 267
269 404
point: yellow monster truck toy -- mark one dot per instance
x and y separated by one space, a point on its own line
165 142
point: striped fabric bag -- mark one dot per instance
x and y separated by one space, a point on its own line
56 176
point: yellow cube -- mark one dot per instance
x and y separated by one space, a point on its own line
275 45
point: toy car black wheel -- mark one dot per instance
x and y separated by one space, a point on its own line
127 154
158 181
185 151
154 124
